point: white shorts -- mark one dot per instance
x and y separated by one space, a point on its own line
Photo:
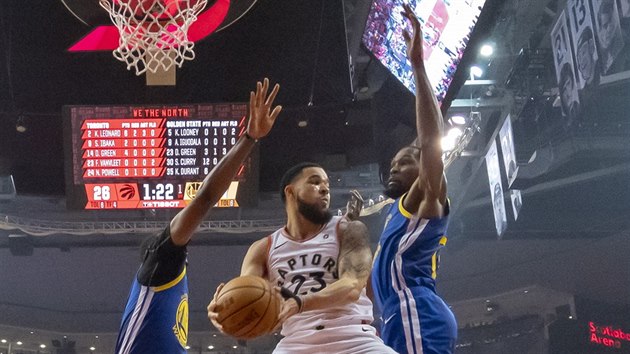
350 339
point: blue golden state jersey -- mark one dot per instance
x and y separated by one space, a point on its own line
151 312
407 253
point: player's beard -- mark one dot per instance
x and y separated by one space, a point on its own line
394 191
313 213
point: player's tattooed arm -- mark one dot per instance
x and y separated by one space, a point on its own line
355 256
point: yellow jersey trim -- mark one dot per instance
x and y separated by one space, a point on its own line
434 258
171 283
402 209
406 213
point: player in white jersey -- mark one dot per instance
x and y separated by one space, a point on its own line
322 263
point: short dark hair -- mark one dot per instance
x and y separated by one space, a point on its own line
290 175
417 148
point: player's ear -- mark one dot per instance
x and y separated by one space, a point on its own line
289 191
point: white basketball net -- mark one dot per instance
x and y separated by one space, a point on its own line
153 33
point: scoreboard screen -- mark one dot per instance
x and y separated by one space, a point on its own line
149 157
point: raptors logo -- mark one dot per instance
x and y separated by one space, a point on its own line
127 191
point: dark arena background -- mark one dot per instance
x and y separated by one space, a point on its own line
535 96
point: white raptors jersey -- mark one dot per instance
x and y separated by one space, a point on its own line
310 266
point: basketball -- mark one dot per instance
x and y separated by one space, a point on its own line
248 307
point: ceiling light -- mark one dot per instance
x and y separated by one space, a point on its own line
20 125
18 343
211 347
235 346
449 141
456 132
3 340
187 347
92 348
43 346
458 119
475 71
486 50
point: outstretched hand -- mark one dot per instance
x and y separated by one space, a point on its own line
415 52
261 116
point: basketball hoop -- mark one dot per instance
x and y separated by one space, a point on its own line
153 33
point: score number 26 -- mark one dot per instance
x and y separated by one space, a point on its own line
101 193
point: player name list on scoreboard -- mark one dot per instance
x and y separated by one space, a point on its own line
130 157
155 147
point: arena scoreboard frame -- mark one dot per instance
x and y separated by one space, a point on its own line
151 157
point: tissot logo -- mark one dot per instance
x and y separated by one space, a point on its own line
104 35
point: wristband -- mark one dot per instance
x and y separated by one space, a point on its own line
247 136
300 303
288 294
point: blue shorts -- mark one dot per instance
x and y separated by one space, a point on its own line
418 321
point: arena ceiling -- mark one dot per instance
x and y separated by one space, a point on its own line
573 226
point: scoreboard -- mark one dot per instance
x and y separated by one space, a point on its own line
137 157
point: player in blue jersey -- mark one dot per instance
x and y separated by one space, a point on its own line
414 318
156 316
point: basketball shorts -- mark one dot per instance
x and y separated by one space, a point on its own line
349 339
418 321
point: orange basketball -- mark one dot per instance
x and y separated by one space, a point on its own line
248 307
